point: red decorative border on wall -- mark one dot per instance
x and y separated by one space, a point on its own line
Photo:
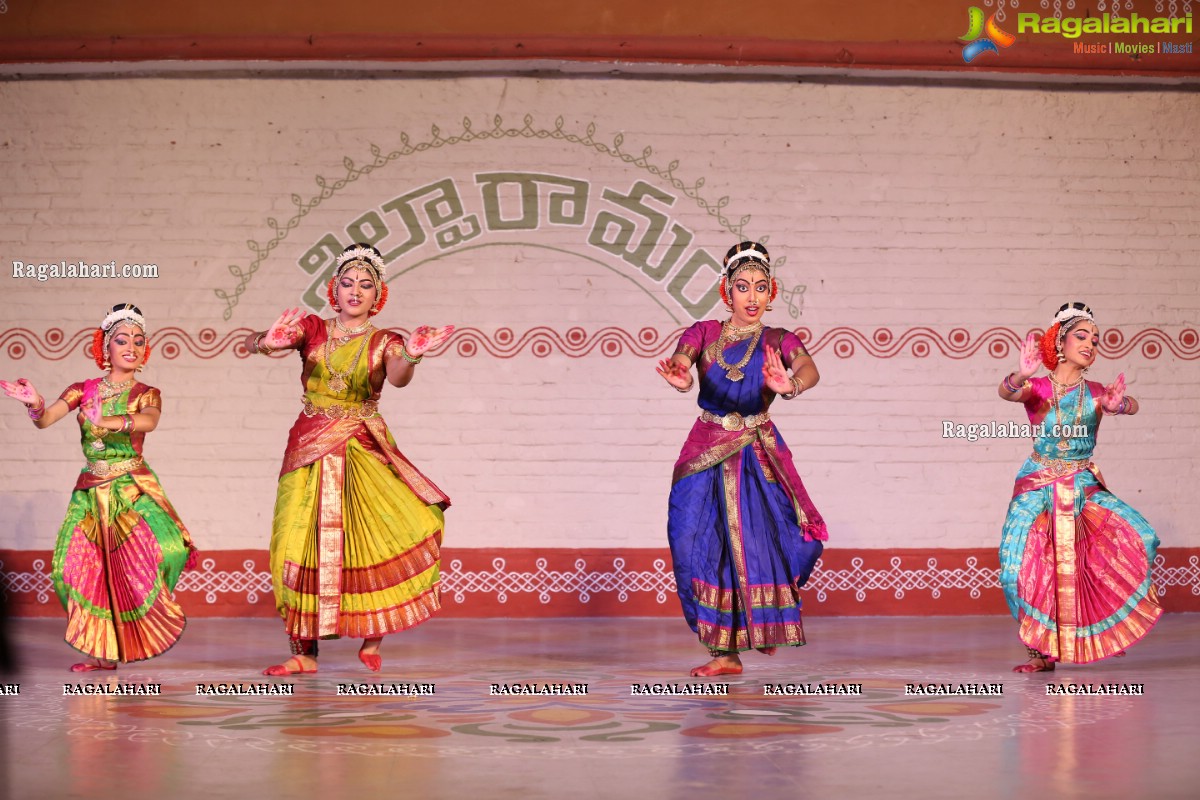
541 341
565 582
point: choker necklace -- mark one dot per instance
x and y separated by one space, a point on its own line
338 381
728 332
348 333
735 331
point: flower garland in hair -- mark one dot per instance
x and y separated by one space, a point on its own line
1050 346
359 252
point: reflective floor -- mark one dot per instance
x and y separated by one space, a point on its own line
463 741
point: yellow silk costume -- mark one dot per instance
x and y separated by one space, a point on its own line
357 532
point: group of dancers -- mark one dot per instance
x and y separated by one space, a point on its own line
357 529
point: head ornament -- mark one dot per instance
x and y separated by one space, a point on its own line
364 257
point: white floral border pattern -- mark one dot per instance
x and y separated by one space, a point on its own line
583 582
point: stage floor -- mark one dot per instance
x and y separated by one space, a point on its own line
464 742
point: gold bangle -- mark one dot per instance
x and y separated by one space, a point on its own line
261 348
410 359
797 388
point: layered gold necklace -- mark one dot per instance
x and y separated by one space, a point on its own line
1061 389
731 333
338 381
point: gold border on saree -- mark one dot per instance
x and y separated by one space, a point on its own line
1058 467
105 469
735 421
364 410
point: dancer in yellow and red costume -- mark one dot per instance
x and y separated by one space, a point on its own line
357 532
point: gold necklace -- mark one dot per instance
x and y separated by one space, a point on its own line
348 333
338 381
728 331
1060 390
113 389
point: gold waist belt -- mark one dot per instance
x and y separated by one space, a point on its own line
1061 466
113 469
363 410
735 421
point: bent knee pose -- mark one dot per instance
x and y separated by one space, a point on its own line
357 532
744 535
122 546
1074 559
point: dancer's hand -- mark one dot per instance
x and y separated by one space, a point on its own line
285 331
23 391
425 338
1031 359
1114 393
775 374
675 373
91 406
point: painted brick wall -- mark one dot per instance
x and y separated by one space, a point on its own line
903 211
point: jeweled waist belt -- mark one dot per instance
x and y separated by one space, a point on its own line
1061 466
114 469
735 421
363 410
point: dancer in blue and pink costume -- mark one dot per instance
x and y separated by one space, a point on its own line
744 535
1074 560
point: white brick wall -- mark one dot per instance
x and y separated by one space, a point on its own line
897 207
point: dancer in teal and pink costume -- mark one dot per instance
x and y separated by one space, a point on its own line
1074 560
744 534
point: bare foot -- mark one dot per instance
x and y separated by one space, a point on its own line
368 654
1035 665
767 651
728 664
94 665
296 665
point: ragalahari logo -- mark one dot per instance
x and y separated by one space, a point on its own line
978 42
